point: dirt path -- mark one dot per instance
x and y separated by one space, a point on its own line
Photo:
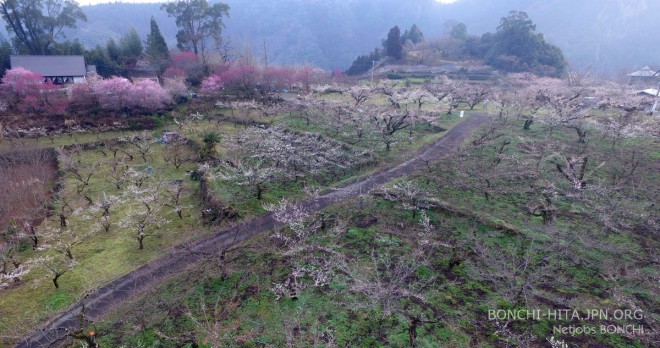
178 259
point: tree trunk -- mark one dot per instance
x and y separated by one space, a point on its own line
548 217
412 332
55 278
455 260
35 240
582 135
62 220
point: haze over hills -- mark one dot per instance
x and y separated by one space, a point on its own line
610 36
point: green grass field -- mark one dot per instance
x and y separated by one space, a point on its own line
509 221
475 266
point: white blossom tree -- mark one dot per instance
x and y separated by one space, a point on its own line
360 94
56 266
69 164
144 207
12 267
255 174
63 239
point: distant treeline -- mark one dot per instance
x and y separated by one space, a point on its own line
514 47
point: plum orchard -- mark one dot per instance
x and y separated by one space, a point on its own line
547 191
528 212
385 281
361 118
121 185
261 155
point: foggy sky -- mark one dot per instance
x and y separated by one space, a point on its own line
95 2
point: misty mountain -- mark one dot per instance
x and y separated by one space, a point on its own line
611 36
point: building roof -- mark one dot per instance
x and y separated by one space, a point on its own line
643 72
51 65
649 91
142 73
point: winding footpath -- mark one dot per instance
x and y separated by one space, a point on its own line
177 260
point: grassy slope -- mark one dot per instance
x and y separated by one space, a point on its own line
238 295
103 257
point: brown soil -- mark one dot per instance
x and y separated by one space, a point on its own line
19 125
27 183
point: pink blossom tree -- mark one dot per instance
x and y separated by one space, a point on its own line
242 77
33 95
276 78
83 98
23 81
186 65
176 87
113 93
47 99
337 74
313 75
212 85
149 95
118 93
305 76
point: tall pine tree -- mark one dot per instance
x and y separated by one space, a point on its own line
105 66
113 50
393 44
5 53
156 47
131 47
415 35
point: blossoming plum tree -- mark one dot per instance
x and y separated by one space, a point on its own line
32 94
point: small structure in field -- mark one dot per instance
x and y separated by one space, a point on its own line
649 92
139 75
171 137
56 69
644 77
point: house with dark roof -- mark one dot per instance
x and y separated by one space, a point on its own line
139 75
55 69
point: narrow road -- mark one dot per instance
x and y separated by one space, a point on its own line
179 259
